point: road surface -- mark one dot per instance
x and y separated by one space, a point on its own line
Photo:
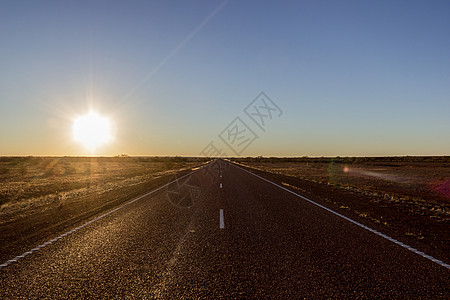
221 232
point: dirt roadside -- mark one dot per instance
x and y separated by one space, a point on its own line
34 226
401 220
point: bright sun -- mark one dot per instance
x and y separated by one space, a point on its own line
92 130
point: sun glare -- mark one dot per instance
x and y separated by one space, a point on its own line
92 130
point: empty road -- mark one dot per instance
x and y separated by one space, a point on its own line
222 232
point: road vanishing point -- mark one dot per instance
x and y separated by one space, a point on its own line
222 232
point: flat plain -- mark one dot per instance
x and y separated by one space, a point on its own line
408 197
47 194
245 233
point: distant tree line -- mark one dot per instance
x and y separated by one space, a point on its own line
14 160
348 160
18 160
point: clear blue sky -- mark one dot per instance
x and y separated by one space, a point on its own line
351 77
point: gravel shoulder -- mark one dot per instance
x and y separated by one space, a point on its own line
420 224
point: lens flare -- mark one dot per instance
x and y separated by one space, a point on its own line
379 175
442 187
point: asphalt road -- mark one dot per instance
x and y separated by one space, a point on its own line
222 233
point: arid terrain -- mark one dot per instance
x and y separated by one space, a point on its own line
408 197
38 194
66 232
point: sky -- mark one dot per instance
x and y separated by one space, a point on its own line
233 78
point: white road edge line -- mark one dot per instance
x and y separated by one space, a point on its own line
5 264
445 265
222 221
220 185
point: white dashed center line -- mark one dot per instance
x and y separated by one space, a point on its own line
222 222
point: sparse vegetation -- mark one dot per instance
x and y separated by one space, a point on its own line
419 183
347 160
39 181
